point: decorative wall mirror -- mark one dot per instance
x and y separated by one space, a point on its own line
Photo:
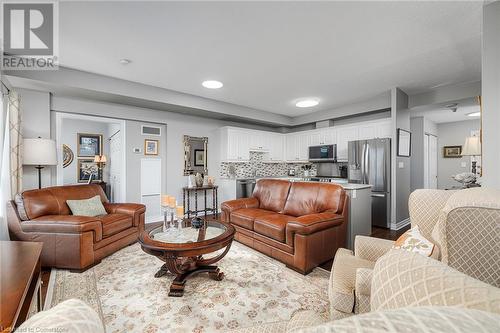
195 155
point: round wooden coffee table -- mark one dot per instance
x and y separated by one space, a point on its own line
182 249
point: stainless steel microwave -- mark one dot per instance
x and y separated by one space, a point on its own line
323 153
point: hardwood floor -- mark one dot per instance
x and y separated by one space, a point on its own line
377 233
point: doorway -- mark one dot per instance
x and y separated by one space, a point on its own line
69 128
430 161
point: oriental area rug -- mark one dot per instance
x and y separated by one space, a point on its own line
255 290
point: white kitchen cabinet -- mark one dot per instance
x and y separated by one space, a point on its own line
384 129
297 147
258 140
367 131
344 135
324 136
235 144
276 144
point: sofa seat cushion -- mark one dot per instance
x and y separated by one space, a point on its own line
245 217
114 223
272 225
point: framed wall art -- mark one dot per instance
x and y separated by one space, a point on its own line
404 143
89 145
150 147
452 151
199 157
86 168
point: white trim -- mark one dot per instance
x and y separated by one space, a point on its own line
401 224
63 115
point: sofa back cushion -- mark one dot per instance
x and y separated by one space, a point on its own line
310 198
272 194
52 200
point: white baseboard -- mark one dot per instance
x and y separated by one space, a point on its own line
401 224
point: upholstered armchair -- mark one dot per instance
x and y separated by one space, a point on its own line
464 225
409 292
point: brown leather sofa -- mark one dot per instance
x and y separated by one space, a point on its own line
71 241
301 224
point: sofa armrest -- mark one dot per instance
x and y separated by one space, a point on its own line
64 224
131 209
371 248
230 206
309 224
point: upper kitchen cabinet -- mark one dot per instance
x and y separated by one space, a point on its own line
235 144
297 146
375 129
276 144
326 136
344 135
384 129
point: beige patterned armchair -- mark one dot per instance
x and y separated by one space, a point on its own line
411 293
463 224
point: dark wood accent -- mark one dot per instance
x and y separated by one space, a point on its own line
186 259
20 280
186 199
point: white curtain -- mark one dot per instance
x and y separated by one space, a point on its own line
5 188
15 144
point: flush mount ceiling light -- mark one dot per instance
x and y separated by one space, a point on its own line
212 84
125 61
307 103
474 114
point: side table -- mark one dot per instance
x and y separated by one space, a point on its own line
20 280
186 199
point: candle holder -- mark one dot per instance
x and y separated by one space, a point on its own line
165 210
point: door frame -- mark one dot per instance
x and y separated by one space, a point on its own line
60 116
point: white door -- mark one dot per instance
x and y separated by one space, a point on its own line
426 161
433 160
151 188
115 167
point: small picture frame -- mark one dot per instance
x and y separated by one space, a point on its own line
452 151
151 147
404 143
89 145
199 157
87 168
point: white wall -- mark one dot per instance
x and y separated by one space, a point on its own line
453 134
69 130
420 126
401 169
491 94
171 146
35 108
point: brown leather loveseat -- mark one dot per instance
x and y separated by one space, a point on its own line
301 224
70 241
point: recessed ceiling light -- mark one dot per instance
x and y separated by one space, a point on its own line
125 61
212 84
307 103
474 114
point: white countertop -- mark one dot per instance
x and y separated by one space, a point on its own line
340 181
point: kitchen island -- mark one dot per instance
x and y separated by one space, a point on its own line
360 204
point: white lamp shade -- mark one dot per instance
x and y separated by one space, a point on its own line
472 146
39 152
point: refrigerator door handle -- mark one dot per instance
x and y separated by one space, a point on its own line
378 195
366 150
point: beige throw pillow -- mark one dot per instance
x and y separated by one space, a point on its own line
87 207
413 241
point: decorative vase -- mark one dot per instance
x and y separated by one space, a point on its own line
199 179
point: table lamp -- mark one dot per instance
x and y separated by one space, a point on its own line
100 160
39 152
472 147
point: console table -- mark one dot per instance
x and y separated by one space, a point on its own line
20 280
186 199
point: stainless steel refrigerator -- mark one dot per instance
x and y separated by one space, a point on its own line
370 163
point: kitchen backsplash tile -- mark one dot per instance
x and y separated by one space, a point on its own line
257 167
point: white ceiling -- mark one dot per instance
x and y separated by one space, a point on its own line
443 114
268 54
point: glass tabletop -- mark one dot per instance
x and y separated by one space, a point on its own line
184 233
